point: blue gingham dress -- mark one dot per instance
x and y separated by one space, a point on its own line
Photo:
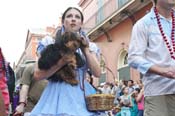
62 99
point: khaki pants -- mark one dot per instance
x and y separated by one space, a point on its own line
163 105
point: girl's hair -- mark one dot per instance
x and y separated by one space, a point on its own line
64 14
137 89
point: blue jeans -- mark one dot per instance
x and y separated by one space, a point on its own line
140 113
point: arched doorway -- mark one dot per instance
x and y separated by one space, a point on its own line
123 68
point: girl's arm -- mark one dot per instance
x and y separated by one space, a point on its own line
139 97
92 62
42 74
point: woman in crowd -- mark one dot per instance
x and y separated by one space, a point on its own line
140 100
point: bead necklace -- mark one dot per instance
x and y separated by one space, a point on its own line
171 51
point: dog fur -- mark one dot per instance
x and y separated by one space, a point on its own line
66 47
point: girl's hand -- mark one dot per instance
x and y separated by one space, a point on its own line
142 90
84 43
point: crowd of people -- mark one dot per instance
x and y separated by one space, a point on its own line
43 94
129 97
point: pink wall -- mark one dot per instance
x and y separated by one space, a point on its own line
111 50
119 34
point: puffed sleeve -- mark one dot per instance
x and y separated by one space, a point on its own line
44 42
94 48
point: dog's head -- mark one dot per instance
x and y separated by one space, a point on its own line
70 41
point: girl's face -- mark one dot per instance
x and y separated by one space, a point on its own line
72 21
136 93
126 90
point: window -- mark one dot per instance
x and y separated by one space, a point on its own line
124 73
125 59
103 69
122 2
102 64
100 12
102 78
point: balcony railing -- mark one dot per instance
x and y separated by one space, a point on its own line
103 13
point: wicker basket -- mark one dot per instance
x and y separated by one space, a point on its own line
100 102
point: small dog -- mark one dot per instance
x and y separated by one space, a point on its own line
66 47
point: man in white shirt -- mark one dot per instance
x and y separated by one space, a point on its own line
152 52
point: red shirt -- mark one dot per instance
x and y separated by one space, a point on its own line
141 104
3 84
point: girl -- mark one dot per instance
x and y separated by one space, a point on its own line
60 98
125 102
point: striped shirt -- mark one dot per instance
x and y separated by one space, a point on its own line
148 48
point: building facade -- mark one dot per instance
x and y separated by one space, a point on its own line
109 24
29 54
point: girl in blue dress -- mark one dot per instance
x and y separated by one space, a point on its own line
60 98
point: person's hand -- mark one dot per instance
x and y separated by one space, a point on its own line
142 90
168 72
84 43
133 94
19 110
